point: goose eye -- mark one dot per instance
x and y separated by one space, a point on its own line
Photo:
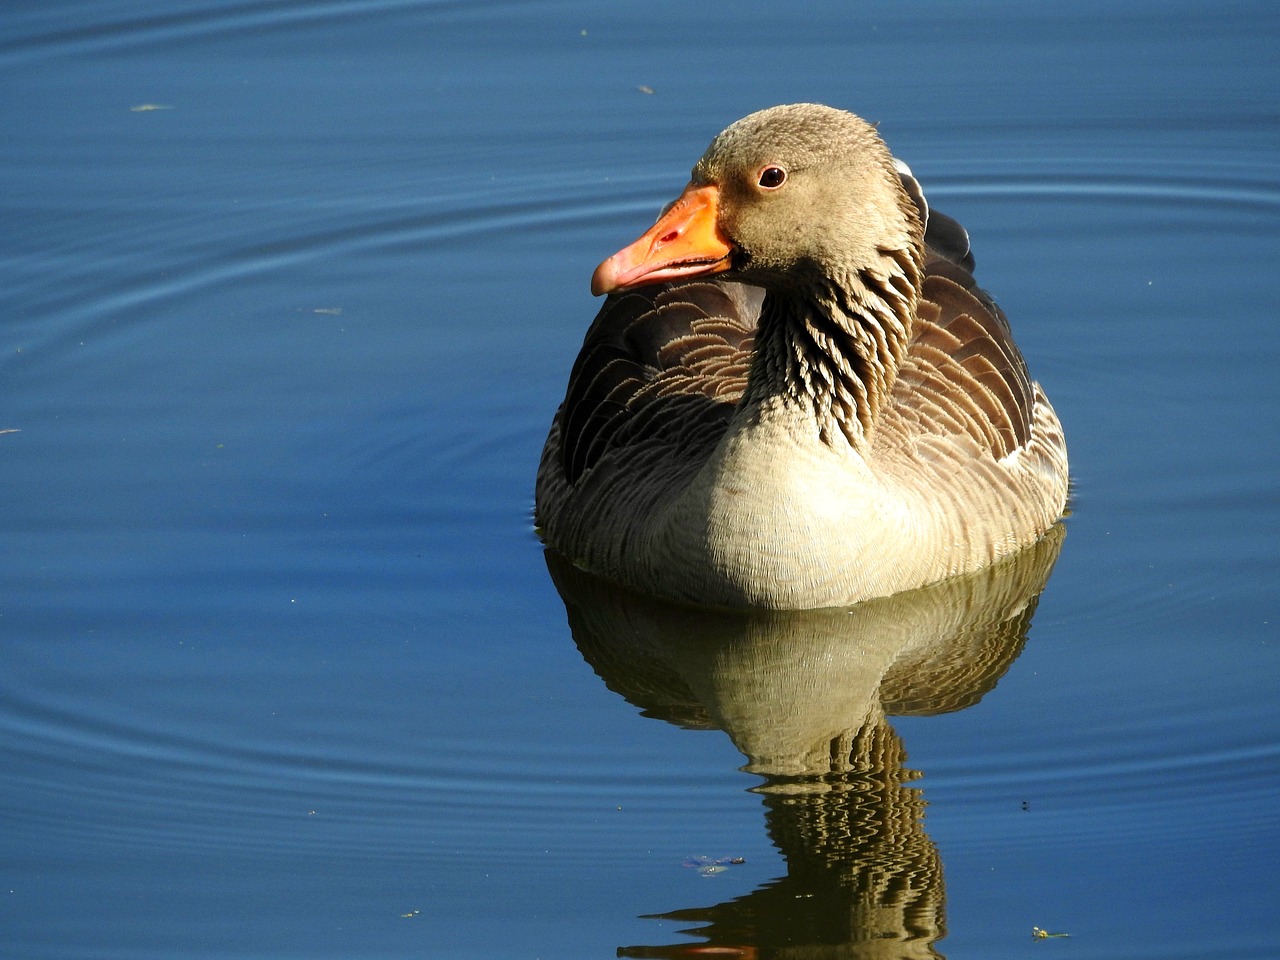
771 177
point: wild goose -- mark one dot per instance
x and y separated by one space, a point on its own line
795 396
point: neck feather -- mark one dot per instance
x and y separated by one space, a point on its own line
832 349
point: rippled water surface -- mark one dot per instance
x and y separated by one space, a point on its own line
288 294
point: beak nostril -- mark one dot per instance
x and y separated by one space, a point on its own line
668 237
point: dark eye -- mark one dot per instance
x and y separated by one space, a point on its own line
771 177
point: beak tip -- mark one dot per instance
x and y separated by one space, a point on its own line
602 280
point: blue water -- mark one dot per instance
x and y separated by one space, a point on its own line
289 292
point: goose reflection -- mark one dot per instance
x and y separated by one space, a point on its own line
805 697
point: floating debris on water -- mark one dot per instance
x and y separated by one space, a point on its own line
709 866
1040 934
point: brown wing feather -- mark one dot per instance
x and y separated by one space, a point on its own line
686 345
963 371
963 357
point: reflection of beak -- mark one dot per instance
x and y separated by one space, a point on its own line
685 242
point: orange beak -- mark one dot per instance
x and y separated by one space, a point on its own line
685 242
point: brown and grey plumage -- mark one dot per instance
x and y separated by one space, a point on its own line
795 395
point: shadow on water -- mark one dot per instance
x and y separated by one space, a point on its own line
805 697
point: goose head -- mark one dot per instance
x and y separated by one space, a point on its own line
791 198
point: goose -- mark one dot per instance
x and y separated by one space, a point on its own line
795 396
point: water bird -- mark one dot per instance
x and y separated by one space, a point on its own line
795 395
